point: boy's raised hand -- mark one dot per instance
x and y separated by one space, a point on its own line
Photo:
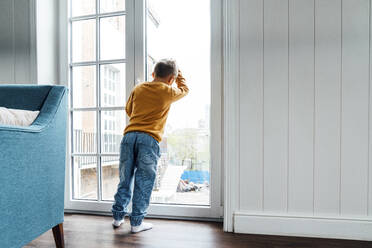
182 88
180 78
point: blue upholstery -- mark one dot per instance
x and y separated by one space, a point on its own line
32 164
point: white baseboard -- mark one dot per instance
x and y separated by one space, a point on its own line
303 226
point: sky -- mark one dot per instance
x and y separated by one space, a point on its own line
184 35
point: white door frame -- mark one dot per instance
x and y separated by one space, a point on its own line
135 71
231 110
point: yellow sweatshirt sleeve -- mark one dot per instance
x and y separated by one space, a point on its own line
128 107
181 90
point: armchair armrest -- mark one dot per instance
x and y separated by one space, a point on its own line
46 115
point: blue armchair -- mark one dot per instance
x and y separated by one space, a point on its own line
32 165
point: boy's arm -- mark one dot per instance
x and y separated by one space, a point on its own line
181 90
128 107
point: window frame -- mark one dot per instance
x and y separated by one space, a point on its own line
135 64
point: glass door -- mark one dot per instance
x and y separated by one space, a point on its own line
98 74
180 29
115 44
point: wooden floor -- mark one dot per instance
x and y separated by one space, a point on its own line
87 231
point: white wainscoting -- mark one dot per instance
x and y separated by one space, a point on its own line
15 41
29 51
301 108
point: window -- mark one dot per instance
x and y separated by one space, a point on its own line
114 44
184 170
97 66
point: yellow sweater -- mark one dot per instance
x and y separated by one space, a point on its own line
148 106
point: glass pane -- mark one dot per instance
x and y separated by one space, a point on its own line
84 86
110 177
113 38
84 40
83 7
84 133
112 126
112 5
85 177
113 85
183 175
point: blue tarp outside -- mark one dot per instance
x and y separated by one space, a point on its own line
196 176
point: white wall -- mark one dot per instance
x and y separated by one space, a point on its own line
303 117
47 23
15 42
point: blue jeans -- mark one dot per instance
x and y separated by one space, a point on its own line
139 155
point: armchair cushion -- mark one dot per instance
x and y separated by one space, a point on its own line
17 117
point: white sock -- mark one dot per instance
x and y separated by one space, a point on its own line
143 227
117 223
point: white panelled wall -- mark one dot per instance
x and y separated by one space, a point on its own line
29 42
16 58
304 117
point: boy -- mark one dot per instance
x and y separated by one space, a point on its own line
147 107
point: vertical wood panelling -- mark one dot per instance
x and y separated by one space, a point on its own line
301 93
15 41
22 41
275 104
355 85
306 107
327 106
251 96
6 41
369 182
